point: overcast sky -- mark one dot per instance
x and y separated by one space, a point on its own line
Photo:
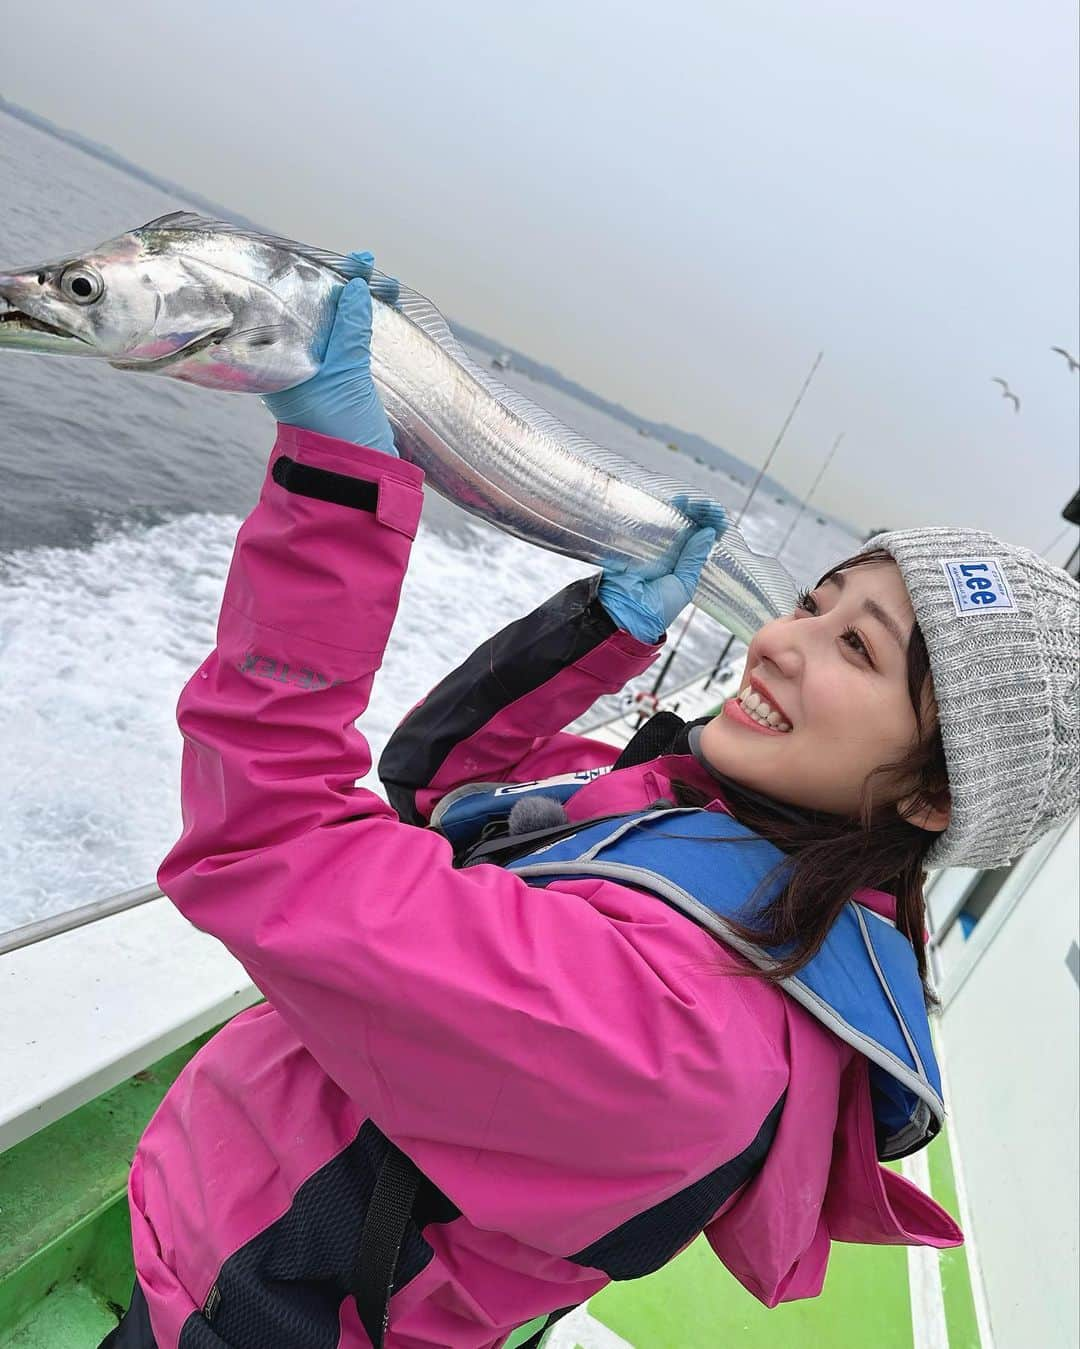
676 204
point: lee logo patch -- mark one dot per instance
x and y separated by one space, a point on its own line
978 585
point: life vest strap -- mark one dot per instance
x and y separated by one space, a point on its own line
503 848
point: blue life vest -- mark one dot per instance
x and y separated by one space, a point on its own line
863 984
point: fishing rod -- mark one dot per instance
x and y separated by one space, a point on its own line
738 521
783 544
813 489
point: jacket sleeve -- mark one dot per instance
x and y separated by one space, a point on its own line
502 1036
499 717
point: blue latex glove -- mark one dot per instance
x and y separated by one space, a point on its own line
644 599
340 399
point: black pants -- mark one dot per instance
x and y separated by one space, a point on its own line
134 1331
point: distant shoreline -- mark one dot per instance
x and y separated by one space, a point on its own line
683 442
116 161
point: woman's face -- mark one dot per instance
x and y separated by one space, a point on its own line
835 674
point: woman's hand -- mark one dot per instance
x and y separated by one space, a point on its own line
340 399
645 598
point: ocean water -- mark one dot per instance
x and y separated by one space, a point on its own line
122 497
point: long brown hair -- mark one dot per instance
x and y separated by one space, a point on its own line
829 857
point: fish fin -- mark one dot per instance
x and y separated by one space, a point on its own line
768 574
187 222
420 311
761 574
385 288
260 336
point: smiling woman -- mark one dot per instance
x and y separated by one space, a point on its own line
411 1141
902 757
861 760
839 695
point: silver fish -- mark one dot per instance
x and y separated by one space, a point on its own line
214 304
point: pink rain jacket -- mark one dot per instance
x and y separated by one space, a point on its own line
554 1061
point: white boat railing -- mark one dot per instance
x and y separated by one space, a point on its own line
120 983
45 928
20 937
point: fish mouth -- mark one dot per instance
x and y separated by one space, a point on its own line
10 313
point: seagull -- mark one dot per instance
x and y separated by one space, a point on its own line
1074 364
1006 392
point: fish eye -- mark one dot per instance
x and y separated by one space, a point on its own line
82 284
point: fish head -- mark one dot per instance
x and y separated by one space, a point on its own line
196 299
97 303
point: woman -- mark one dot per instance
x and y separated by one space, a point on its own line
489 1088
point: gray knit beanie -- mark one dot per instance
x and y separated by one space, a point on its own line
1002 628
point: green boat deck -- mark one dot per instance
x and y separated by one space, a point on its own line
65 1261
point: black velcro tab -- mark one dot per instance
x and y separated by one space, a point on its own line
325 485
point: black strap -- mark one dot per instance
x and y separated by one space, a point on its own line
380 1241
